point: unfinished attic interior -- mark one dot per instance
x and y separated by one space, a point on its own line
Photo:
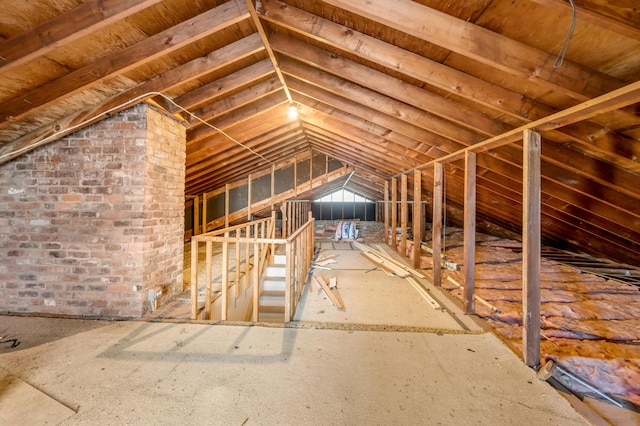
162 150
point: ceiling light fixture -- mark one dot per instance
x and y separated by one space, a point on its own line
293 111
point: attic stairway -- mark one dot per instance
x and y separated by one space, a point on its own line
272 299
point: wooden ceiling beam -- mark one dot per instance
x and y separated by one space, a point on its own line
557 152
436 150
408 135
209 168
224 85
320 143
506 204
360 186
364 186
620 98
124 60
66 28
495 199
243 132
229 155
199 138
238 116
215 178
448 116
356 150
564 201
351 133
324 145
218 178
377 136
281 152
269 89
447 132
239 99
408 63
474 42
148 89
615 148
265 41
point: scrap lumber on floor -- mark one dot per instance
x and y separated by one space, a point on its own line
425 295
335 299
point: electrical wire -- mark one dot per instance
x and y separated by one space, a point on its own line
123 105
565 43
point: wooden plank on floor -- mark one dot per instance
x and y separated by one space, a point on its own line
325 287
409 269
384 262
373 260
426 296
333 286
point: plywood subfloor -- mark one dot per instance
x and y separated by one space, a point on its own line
139 373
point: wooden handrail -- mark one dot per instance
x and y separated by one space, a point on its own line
299 250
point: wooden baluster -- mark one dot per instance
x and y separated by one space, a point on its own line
209 277
247 251
255 272
225 279
194 278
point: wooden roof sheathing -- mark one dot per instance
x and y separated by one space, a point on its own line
382 86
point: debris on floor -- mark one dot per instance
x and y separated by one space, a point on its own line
331 291
341 231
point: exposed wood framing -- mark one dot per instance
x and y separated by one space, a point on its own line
471 40
418 219
613 100
265 40
134 56
226 205
394 213
531 240
469 231
66 28
436 229
385 213
404 212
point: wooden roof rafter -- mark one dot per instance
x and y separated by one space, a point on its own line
625 96
133 56
87 18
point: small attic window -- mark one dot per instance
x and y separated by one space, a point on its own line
343 195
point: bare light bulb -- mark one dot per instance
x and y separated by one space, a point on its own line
293 112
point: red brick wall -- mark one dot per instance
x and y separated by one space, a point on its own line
90 222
